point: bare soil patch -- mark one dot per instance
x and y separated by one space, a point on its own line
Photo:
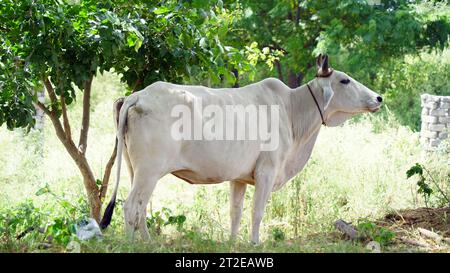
434 219
424 229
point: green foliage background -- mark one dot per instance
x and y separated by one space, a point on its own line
397 48
402 83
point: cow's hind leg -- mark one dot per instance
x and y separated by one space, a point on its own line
237 196
263 187
135 207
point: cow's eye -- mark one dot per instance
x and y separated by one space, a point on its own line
346 81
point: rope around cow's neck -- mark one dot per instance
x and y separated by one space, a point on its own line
317 104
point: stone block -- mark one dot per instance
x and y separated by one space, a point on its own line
431 105
429 119
434 142
444 119
443 135
436 127
445 105
438 112
428 134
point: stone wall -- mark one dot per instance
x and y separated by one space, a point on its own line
435 120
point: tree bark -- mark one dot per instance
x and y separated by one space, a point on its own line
82 144
66 122
107 174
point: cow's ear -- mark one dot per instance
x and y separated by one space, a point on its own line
328 94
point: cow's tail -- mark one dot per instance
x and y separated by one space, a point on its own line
123 114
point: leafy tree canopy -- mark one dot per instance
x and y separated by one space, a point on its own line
359 33
65 44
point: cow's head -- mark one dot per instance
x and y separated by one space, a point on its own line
343 96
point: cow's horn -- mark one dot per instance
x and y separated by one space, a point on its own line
319 61
325 64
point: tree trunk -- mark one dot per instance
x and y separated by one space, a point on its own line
90 185
92 190
292 79
300 78
95 204
297 17
107 173
279 70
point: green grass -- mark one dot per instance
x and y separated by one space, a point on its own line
357 171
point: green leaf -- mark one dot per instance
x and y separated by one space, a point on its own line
181 219
98 182
161 10
131 39
137 45
416 169
43 190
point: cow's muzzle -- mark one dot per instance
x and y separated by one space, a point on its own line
375 105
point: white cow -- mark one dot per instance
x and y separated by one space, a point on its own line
145 123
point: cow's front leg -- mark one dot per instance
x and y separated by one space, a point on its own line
237 194
263 187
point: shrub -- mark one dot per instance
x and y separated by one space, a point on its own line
371 231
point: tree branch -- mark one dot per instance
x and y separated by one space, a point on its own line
58 127
42 107
65 118
108 168
82 144
52 113
50 90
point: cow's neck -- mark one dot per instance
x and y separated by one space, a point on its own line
305 116
306 123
